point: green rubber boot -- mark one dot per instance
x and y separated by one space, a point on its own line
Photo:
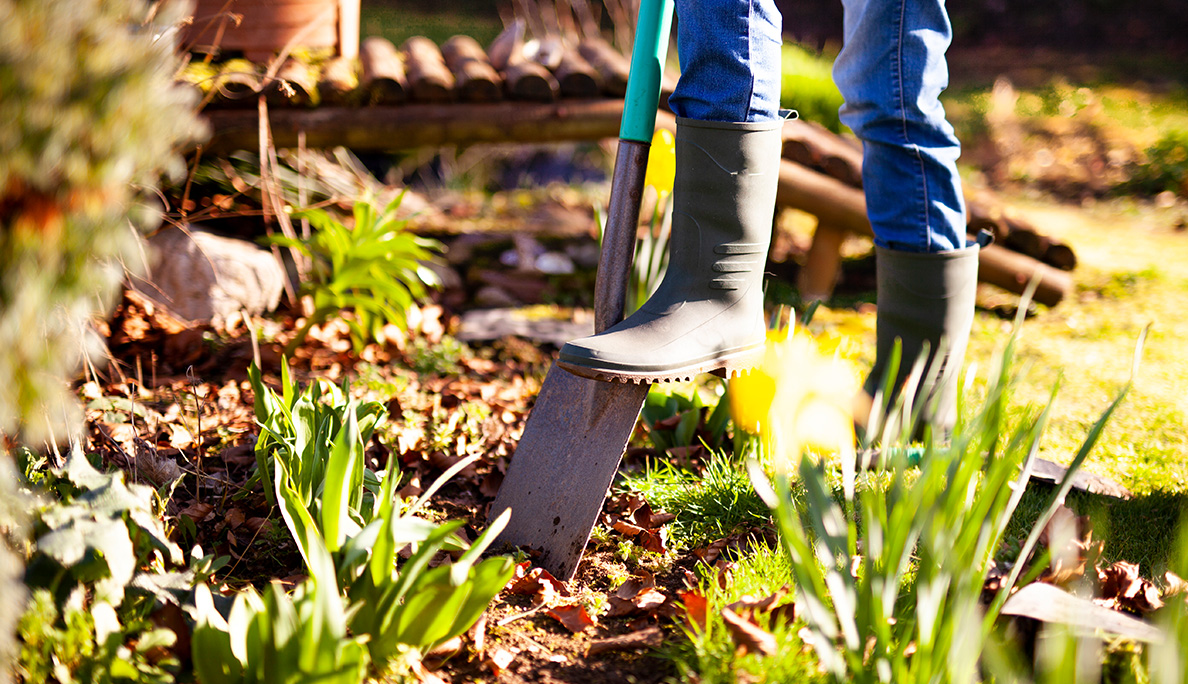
925 300
707 314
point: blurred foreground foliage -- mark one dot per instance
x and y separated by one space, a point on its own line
91 119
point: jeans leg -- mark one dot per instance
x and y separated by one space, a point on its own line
730 60
891 72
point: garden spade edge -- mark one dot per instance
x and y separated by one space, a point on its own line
578 429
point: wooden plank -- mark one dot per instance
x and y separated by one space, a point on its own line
388 128
1047 603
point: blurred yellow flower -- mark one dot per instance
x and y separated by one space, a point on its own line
798 399
661 171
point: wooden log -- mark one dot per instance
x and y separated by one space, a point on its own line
339 82
408 126
610 64
830 200
237 83
474 77
384 80
1015 232
814 146
841 206
1012 271
527 80
577 77
822 264
295 84
429 79
811 144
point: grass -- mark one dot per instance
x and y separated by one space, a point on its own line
710 655
709 505
398 24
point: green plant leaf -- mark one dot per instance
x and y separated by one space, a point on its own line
345 458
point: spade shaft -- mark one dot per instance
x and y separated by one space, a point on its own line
578 429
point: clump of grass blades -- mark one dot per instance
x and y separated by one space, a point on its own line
710 654
708 505
946 525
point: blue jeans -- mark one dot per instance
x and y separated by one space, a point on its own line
891 72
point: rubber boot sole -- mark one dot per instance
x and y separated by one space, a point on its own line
727 366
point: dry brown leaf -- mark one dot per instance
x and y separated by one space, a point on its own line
696 607
624 527
780 613
631 587
1175 584
574 617
653 540
650 637
646 601
538 582
197 511
710 553
234 518
1121 587
748 637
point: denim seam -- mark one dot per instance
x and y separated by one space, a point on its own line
901 98
750 58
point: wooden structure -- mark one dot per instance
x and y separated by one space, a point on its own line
261 28
422 95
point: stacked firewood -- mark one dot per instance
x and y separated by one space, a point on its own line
420 71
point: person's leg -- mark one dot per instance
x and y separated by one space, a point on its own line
891 72
729 52
707 314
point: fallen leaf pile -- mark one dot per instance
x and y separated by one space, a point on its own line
632 516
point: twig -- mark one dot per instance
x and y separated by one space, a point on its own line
531 611
249 544
198 435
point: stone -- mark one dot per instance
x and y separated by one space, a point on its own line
207 278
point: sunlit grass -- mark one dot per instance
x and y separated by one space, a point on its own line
710 655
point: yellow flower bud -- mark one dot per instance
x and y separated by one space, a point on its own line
661 170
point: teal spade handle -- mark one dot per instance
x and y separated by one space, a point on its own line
647 65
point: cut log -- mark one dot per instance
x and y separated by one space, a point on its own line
474 77
841 206
577 77
384 80
822 264
830 200
527 80
1012 271
1015 232
610 64
815 146
339 83
295 84
429 79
